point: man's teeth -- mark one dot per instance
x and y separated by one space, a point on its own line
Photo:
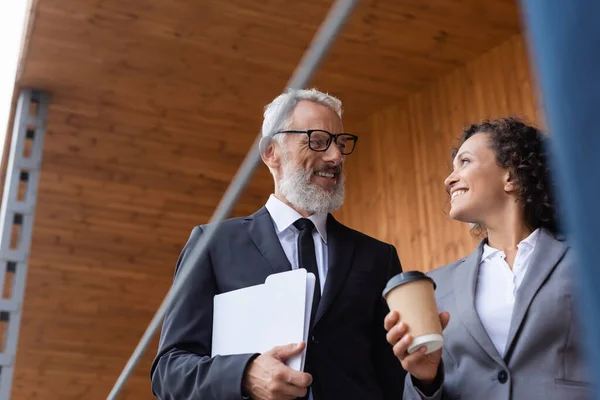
458 193
325 174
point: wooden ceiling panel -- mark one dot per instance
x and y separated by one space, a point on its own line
237 55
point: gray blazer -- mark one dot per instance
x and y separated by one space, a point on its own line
544 349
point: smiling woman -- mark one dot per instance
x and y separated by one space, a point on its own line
501 164
522 268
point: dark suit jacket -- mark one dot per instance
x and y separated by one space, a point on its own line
350 356
545 354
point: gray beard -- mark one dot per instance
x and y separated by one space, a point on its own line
297 189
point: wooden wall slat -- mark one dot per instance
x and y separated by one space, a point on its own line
410 144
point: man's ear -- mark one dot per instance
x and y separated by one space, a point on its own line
510 182
269 152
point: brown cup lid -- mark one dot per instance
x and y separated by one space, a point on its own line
406 277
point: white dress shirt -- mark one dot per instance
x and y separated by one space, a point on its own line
497 287
284 217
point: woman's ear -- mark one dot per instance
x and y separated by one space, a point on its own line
510 183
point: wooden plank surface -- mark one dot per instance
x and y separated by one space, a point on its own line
396 175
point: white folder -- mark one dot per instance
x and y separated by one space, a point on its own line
257 318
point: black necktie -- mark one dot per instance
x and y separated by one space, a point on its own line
307 258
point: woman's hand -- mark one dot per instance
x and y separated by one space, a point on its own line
421 366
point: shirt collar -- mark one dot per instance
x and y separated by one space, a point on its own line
488 252
284 216
531 240
528 242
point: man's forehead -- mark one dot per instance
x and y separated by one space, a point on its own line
311 124
309 111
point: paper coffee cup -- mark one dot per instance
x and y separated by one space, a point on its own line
412 295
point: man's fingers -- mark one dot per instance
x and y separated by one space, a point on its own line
284 352
299 379
291 391
444 319
295 391
292 377
390 320
289 382
281 390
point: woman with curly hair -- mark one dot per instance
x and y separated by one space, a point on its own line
508 309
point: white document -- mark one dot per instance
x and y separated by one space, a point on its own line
257 318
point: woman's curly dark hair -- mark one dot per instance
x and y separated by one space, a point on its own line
522 149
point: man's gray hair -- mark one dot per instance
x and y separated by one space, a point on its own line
272 109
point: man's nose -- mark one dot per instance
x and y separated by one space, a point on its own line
333 153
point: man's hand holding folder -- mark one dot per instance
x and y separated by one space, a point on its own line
279 313
268 378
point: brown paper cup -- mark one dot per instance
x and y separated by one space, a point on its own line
412 295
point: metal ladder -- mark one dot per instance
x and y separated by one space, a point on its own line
16 222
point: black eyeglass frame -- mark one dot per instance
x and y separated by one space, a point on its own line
332 138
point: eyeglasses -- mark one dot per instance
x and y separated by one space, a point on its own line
320 140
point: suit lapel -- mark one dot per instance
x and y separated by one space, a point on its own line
465 281
340 251
548 252
262 232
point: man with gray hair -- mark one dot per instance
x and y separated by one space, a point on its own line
348 356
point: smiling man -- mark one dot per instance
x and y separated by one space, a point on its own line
348 356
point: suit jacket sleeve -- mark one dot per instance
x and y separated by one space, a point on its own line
389 371
411 392
183 368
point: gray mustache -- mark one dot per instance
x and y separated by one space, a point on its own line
335 170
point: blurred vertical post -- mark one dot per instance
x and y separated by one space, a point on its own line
564 41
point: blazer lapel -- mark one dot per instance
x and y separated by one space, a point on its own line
340 251
262 232
465 281
548 252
